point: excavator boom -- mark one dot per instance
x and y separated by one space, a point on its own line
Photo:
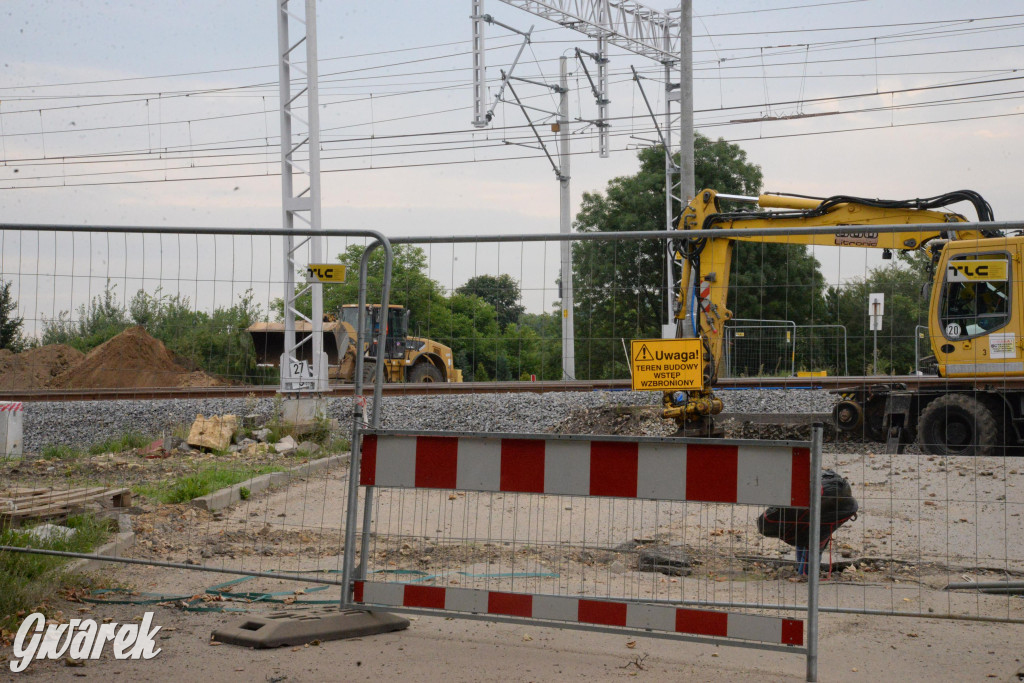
706 260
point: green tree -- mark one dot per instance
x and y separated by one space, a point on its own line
902 282
10 323
619 287
500 291
99 320
215 341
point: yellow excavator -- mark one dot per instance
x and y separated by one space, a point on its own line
975 318
406 359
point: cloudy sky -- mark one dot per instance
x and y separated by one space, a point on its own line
165 113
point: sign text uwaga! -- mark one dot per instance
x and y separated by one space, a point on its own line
667 364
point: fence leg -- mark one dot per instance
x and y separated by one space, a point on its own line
814 554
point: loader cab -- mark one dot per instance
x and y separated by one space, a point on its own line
397 328
976 321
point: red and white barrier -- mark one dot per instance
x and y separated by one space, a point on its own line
11 416
755 474
618 613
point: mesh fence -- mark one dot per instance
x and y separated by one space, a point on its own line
932 461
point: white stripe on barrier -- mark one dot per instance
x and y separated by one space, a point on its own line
761 475
754 627
479 465
567 468
661 471
396 465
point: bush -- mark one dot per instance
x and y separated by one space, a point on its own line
204 481
26 581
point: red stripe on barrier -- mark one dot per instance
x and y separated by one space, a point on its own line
711 473
702 622
368 461
424 596
522 465
512 604
613 469
792 632
357 591
600 612
437 461
800 484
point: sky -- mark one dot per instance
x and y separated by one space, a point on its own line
161 113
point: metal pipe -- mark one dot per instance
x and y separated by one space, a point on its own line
738 198
985 585
284 574
538 237
565 227
814 554
352 504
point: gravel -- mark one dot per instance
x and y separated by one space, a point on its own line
82 423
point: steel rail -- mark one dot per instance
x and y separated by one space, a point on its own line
838 384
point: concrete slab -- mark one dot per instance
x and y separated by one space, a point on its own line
298 627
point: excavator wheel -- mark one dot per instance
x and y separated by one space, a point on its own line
958 424
425 372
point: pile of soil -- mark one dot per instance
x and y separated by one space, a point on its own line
131 359
36 368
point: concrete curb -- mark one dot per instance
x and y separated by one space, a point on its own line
124 539
231 495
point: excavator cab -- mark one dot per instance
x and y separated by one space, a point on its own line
397 328
974 325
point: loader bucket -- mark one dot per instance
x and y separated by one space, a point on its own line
268 338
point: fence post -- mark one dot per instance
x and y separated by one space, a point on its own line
814 554
348 551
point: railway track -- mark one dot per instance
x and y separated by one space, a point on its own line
243 391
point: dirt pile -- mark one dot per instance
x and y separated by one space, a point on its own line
36 368
131 359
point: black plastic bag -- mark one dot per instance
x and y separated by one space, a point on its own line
792 525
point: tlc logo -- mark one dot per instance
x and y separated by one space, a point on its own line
965 271
82 639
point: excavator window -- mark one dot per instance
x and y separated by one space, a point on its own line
975 295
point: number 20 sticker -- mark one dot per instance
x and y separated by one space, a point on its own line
953 330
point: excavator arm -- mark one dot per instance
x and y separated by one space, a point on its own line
706 262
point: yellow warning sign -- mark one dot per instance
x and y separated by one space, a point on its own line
667 364
326 272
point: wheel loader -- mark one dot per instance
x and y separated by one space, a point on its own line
406 359
975 316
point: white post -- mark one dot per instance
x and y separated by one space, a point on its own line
686 172
565 226
479 66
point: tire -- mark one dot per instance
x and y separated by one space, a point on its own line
370 372
958 424
425 372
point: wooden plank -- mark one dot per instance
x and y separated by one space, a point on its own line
54 494
50 494
64 503
85 496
